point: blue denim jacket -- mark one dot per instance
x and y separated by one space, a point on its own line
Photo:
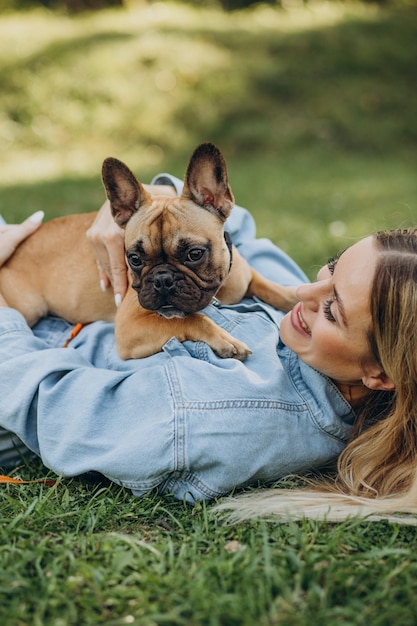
184 421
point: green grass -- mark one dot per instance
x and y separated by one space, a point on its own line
314 110
80 553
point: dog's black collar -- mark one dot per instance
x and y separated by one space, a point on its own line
230 247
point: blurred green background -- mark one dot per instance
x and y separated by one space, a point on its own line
313 106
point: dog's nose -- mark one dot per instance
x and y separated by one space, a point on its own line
163 281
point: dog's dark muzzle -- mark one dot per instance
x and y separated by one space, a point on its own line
164 284
171 293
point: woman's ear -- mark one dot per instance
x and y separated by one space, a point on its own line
379 382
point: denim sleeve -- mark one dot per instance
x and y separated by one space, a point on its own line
79 416
183 420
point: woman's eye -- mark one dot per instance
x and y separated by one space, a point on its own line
328 311
331 264
134 260
196 254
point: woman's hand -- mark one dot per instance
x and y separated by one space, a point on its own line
107 240
11 235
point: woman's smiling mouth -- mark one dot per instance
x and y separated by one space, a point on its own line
298 322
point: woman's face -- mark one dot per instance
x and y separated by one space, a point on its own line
328 327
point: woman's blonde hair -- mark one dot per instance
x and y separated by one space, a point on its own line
376 473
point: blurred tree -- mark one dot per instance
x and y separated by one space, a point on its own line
234 5
82 5
75 6
72 6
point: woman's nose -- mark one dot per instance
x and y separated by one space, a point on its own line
311 294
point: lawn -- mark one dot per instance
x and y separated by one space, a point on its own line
315 111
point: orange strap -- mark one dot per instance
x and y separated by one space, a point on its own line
17 481
73 334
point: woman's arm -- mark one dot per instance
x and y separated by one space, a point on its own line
11 235
11 448
82 409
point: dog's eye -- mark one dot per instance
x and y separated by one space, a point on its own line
196 254
134 260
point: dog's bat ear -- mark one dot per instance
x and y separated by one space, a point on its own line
125 192
206 181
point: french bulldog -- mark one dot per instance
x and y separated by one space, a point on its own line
178 255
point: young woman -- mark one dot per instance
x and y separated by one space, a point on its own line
333 378
376 472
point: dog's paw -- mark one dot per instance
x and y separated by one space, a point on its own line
227 347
